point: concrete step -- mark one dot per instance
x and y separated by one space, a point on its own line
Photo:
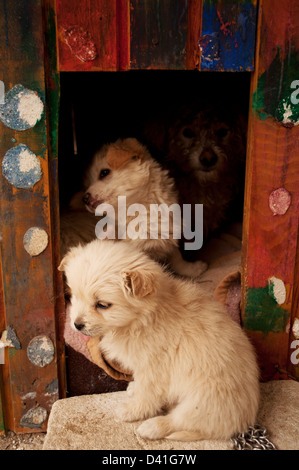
90 422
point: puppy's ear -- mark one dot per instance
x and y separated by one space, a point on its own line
122 151
61 267
139 283
65 260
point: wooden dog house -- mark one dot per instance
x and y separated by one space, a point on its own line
41 39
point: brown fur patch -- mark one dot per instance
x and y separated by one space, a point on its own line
139 283
118 155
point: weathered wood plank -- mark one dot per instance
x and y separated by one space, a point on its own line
30 389
52 81
194 33
123 34
2 429
293 355
87 35
158 34
272 181
2 351
227 41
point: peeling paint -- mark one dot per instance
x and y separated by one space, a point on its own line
21 167
228 35
279 201
274 96
9 339
29 396
34 418
262 313
35 241
287 113
22 109
277 290
80 43
52 387
40 351
13 338
295 328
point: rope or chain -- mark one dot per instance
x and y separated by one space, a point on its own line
256 438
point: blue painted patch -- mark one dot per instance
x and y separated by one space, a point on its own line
21 167
22 108
228 36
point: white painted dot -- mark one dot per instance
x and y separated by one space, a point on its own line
295 328
30 107
277 290
28 161
35 241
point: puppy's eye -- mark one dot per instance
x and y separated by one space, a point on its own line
188 132
221 132
102 305
104 173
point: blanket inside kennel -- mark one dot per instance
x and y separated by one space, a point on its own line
89 372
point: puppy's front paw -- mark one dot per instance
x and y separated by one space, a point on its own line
130 412
154 428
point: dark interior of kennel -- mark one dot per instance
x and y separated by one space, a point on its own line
99 107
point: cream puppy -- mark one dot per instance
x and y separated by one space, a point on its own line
195 371
126 168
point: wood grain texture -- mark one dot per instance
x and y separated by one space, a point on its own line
194 33
123 34
158 34
270 236
52 82
90 25
27 281
2 353
293 346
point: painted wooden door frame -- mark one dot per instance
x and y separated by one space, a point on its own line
30 374
271 212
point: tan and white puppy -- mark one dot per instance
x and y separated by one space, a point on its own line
195 371
126 168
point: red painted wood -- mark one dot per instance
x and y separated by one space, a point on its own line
194 33
123 34
87 30
271 230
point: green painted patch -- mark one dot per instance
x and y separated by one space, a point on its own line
274 92
262 313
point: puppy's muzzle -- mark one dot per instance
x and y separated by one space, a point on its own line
90 201
208 159
79 326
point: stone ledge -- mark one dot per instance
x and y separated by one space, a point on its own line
89 423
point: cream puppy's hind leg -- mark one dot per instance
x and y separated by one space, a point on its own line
142 403
172 426
156 428
186 268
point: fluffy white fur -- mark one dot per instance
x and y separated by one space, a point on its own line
195 371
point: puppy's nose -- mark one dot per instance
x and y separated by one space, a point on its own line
208 158
86 198
79 326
